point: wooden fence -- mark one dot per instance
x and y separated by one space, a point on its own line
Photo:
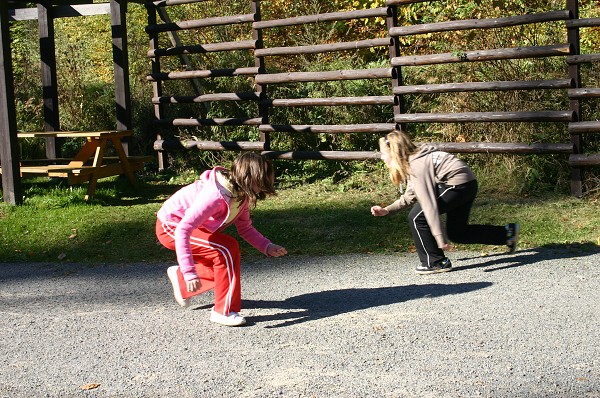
399 65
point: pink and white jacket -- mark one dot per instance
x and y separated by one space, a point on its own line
202 205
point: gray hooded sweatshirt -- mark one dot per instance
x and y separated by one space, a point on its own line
429 167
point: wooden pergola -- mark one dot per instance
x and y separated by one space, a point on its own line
45 12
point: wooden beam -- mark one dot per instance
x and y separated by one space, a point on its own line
328 17
9 149
349 74
322 48
118 13
484 86
49 79
485 23
484 55
472 117
62 11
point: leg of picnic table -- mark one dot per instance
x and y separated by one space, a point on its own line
124 161
97 163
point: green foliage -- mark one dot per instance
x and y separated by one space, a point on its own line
85 79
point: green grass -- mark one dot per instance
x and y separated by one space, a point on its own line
322 218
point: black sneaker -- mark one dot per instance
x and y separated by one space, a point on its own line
512 236
441 266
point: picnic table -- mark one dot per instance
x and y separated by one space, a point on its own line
89 164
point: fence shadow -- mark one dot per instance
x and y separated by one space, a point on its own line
319 305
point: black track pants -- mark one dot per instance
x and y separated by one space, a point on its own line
455 202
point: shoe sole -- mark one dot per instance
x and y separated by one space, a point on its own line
172 274
436 271
214 318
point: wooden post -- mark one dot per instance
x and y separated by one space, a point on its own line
49 79
156 84
574 103
118 10
394 51
259 62
9 149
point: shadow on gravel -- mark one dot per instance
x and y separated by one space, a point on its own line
502 261
318 305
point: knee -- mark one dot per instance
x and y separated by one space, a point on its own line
455 234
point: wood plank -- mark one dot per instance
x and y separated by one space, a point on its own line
471 117
327 17
200 23
203 48
336 75
484 23
484 55
322 48
12 191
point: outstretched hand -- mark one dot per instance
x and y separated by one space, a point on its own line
193 285
379 211
276 251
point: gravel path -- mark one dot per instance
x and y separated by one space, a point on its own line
522 325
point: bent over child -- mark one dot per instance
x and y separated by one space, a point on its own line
191 223
440 183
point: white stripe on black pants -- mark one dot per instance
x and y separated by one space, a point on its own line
455 202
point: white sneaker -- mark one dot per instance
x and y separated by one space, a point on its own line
233 319
172 274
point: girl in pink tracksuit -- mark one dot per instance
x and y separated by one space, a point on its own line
440 183
190 222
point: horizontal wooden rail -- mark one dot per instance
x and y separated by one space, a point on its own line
504 147
584 93
322 128
484 55
583 160
484 86
163 3
195 74
321 48
583 59
199 23
204 48
322 155
333 101
328 17
211 122
174 145
583 23
207 98
584 127
402 2
464 117
350 74
479 23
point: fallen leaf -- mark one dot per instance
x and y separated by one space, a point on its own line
90 386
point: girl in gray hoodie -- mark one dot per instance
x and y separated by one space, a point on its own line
440 183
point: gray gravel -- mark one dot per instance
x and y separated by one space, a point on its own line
522 325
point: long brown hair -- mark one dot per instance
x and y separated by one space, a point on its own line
253 171
400 147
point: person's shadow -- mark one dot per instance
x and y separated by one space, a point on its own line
501 261
318 305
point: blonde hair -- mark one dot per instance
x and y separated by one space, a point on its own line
400 147
252 171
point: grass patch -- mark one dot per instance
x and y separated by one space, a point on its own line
322 218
